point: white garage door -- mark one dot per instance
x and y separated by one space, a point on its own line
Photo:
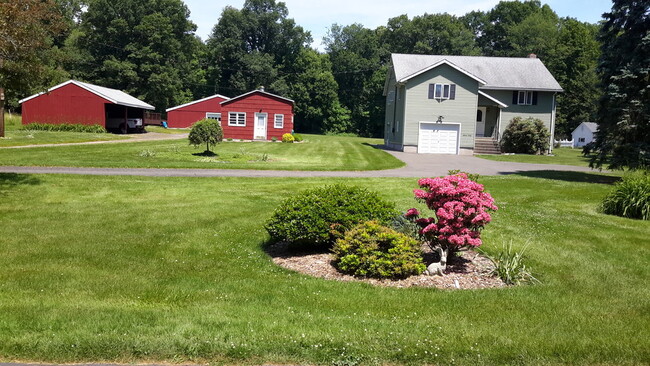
438 138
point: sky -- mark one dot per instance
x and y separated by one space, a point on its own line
318 16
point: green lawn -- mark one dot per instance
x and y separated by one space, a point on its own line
14 136
172 131
561 156
140 269
315 153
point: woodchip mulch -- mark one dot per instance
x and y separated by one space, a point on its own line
468 271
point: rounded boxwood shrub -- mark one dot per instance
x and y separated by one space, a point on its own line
630 197
525 136
317 217
373 250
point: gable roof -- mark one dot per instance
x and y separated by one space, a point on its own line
591 126
112 95
498 73
197 101
257 91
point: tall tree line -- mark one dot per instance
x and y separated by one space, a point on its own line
149 49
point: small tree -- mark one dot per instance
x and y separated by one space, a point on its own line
525 136
206 131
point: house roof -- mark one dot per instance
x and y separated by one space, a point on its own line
256 91
498 73
591 126
197 101
495 100
112 95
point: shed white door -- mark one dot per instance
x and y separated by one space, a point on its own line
438 138
260 126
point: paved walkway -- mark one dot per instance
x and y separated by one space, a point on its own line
417 166
149 136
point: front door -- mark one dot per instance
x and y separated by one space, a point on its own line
480 121
260 126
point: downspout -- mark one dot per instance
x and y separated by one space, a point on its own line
550 146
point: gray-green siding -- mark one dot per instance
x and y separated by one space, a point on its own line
543 109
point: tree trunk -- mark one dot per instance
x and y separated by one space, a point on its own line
2 112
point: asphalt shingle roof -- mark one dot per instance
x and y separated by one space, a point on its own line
509 73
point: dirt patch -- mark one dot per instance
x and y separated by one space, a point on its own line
468 271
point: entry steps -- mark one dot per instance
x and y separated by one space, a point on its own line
486 145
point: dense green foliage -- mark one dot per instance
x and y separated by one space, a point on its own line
630 197
148 48
64 127
372 250
317 217
288 138
525 136
623 137
206 131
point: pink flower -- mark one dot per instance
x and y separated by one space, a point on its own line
412 212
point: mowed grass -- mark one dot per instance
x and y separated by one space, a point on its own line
139 269
561 156
315 153
15 136
171 131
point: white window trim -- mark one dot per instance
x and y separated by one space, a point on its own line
209 115
528 97
442 91
237 114
275 121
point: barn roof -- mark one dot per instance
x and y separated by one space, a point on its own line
112 95
493 73
197 101
256 91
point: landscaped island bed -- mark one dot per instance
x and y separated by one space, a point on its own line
315 153
140 269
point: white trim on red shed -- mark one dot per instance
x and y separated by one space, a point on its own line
197 101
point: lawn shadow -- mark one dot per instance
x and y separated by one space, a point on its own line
12 180
378 147
205 153
288 250
570 176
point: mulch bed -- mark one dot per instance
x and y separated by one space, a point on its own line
469 271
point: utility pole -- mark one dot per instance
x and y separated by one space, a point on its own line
2 105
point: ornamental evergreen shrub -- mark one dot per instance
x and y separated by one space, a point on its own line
525 136
373 250
297 137
317 217
206 131
64 127
287 137
630 197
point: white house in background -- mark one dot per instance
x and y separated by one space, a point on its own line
584 134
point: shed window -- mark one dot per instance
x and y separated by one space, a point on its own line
279 121
216 116
236 119
581 139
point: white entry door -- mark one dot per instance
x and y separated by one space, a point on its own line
480 121
438 138
260 126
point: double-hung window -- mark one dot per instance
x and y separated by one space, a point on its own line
525 97
279 121
236 119
442 91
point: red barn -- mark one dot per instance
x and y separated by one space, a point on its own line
185 115
82 103
257 115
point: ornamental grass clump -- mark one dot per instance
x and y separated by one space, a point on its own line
461 209
317 217
372 250
509 266
630 197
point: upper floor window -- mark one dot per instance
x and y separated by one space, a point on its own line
524 97
442 91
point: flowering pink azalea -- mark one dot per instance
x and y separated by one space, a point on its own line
461 210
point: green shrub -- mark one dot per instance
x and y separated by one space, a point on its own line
317 217
630 197
525 136
274 139
64 127
297 137
471 176
287 137
509 266
206 131
372 250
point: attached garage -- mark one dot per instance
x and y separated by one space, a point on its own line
439 138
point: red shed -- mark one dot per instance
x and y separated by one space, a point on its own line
82 103
185 115
257 115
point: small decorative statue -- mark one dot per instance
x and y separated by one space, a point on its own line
438 268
